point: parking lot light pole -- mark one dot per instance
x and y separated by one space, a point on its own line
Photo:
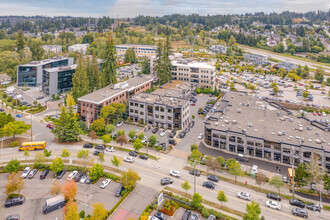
293 174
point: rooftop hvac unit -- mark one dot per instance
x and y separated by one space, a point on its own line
273 133
226 121
255 130
279 133
301 129
234 122
291 119
318 141
250 125
238 110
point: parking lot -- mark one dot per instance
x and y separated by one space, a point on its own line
37 191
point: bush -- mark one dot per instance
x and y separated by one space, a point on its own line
82 214
14 144
205 213
12 166
4 95
111 176
9 99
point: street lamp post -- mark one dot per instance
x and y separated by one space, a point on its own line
31 128
293 174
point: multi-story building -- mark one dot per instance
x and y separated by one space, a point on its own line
200 74
255 58
80 48
260 128
90 105
58 79
31 74
140 50
52 48
287 66
175 88
160 110
218 49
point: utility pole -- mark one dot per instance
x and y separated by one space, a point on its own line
293 174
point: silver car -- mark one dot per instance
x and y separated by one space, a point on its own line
244 195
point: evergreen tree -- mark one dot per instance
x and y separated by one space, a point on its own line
20 44
130 56
95 72
36 49
109 66
167 62
145 66
163 66
80 80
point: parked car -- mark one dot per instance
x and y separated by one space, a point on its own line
186 214
44 174
39 97
211 217
244 195
72 174
12 217
51 126
119 123
209 185
110 149
162 133
273 205
100 147
274 196
213 178
147 128
166 181
129 159
175 173
192 103
119 190
171 141
300 212
161 216
195 172
88 145
144 140
143 157
77 177
83 178
88 180
133 153
182 134
2 110
19 115
313 207
285 179
14 201
155 130
97 152
240 157
297 202
60 174
187 130
32 173
191 124
26 172
200 135
194 216
105 183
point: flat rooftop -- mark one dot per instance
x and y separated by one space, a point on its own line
244 113
45 61
135 45
61 68
158 99
193 64
106 93
174 88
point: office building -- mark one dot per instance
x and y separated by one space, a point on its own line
176 88
218 49
31 74
255 58
200 74
90 105
80 48
287 66
56 49
260 128
140 50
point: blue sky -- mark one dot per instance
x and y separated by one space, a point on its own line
132 8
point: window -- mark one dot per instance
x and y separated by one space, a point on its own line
141 113
161 109
162 117
131 110
169 110
83 104
87 105
141 106
136 111
156 116
169 118
136 105
131 104
157 108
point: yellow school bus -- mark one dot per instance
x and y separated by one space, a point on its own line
37 145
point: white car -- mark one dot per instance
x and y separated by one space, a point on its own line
110 149
324 114
200 136
26 172
144 140
72 175
105 183
273 205
119 123
175 173
129 159
255 169
244 195
83 178
162 134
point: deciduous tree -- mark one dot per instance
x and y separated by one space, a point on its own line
56 188
12 166
83 155
222 197
99 212
96 171
236 170
39 158
197 201
252 211
57 165
47 153
71 211
186 186
277 183
122 139
69 190
15 184
137 144
26 154
65 153
116 161
129 178
98 125
132 134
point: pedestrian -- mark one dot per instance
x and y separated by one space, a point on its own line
245 182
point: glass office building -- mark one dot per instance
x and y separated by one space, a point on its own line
27 76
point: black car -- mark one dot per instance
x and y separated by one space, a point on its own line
44 174
133 153
88 145
78 176
161 216
60 174
194 94
155 130
187 130
243 159
300 212
191 124
14 201
119 190
147 128
182 134
171 141
166 181
172 134
12 217
97 152
297 202
186 214
213 178
209 185
100 147
2 110
195 172
313 207
143 157
274 196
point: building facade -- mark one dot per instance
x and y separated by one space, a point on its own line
200 74
80 48
287 66
255 58
90 105
159 111
218 49
140 50
52 49
31 74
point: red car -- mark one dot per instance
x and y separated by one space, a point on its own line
192 103
314 113
319 113
51 126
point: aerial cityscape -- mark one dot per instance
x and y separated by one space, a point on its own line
160 110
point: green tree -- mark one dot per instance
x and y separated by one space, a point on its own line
193 147
231 41
20 43
101 157
83 155
137 144
301 175
315 170
109 129
57 165
14 128
5 119
326 182
98 125
163 66
96 172
145 66
197 201
195 159
12 166
132 134
47 153
116 161
99 212
140 136
129 179
252 211
186 186
26 154
39 158
222 197
277 183
93 73
319 74
80 80
236 170
120 132
106 139
130 56
109 66
36 49
221 160
152 140
305 94
15 184
65 153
